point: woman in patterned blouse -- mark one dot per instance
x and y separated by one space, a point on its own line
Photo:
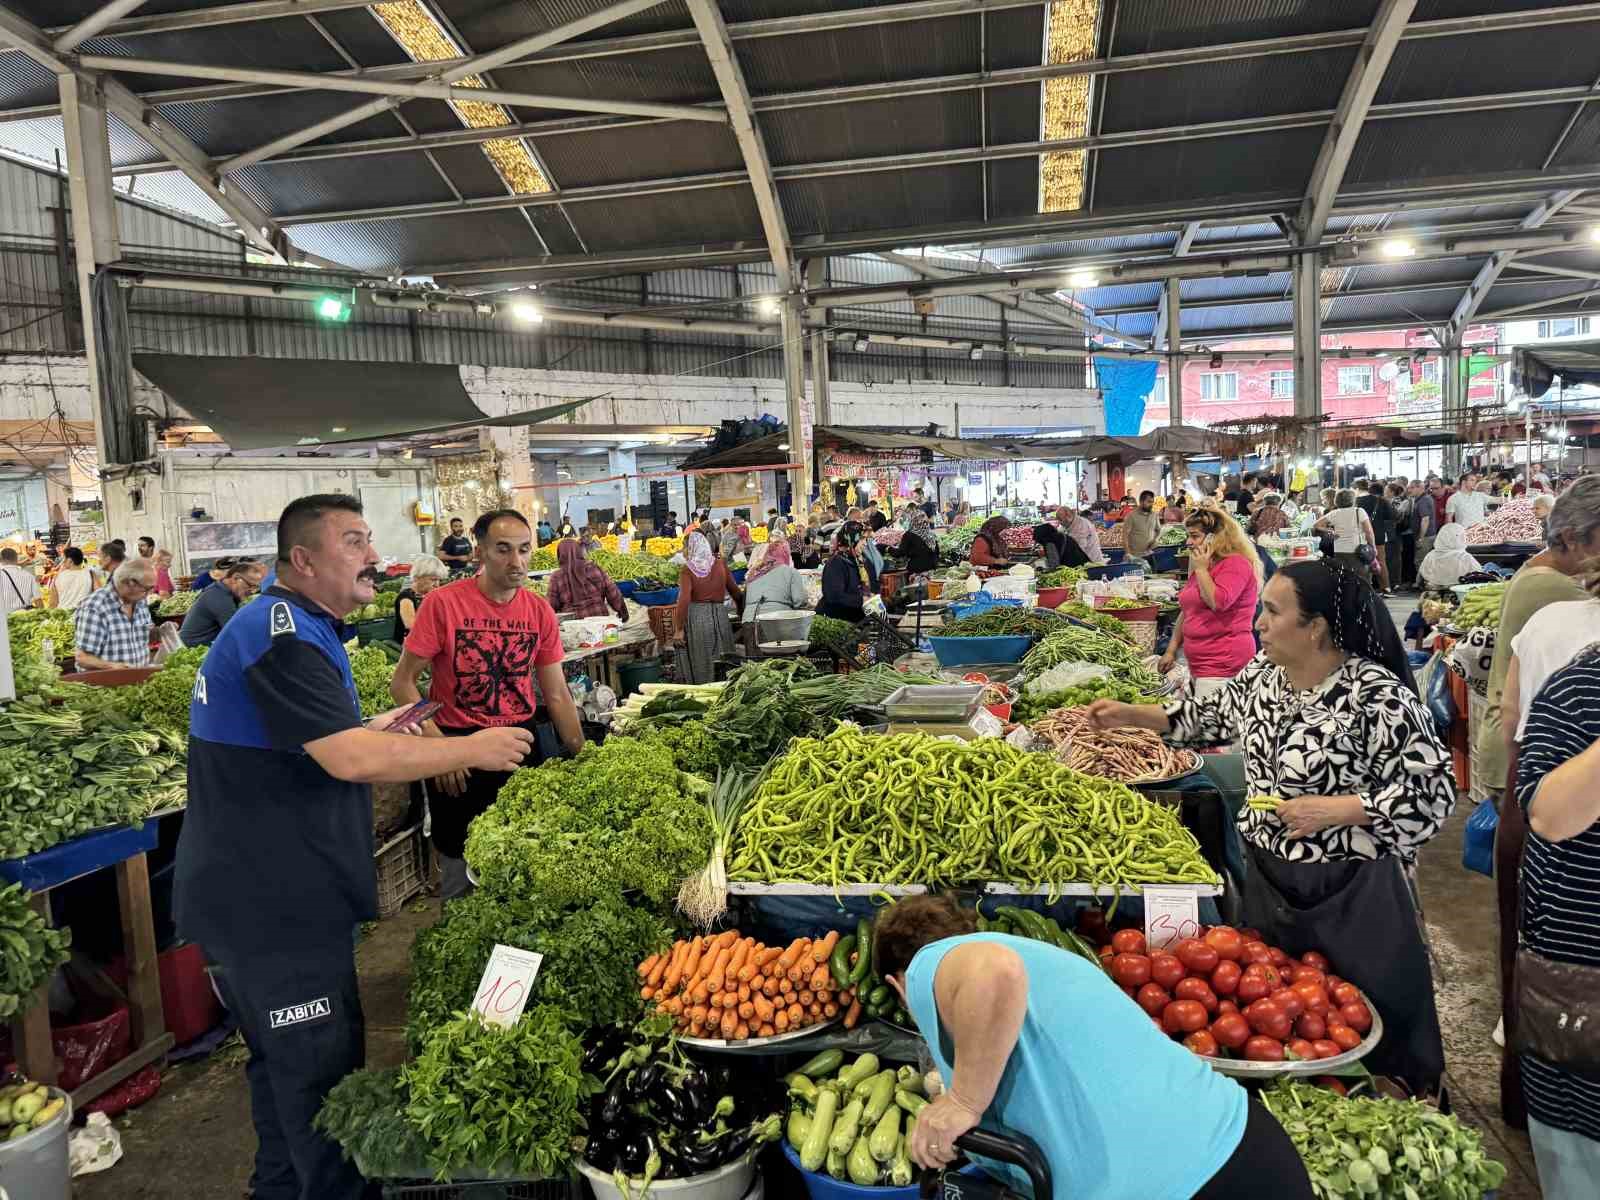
1330 724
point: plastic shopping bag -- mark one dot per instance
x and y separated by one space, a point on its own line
1477 846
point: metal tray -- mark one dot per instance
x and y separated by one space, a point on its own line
792 1035
1197 763
950 702
1241 1068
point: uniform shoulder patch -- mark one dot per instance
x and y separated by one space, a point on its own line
282 619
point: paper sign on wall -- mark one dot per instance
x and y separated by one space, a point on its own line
507 981
1170 915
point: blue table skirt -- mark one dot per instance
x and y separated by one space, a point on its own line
81 856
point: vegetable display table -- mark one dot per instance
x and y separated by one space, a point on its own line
635 640
122 849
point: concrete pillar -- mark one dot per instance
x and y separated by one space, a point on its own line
510 450
624 462
799 412
822 400
94 236
1308 347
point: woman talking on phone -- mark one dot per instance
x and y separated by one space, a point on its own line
1218 604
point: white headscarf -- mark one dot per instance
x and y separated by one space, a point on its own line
1448 561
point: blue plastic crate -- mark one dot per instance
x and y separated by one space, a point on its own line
965 652
982 604
658 597
739 574
1114 555
1163 558
1112 570
627 586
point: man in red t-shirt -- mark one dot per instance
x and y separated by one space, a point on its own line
484 639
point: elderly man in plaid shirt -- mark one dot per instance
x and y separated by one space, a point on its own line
113 624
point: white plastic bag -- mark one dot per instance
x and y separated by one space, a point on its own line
1065 675
171 643
94 1148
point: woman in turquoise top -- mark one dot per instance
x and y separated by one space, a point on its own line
1031 1039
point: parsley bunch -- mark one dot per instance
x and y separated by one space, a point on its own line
588 968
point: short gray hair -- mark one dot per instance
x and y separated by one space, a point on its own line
426 566
1577 513
1345 499
140 569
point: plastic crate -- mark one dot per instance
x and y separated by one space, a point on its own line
627 586
375 631
962 652
483 1189
402 864
1163 558
657 597
663 622
1112 570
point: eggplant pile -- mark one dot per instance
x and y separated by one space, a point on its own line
661 1115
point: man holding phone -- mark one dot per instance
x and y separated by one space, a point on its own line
274 867
484 640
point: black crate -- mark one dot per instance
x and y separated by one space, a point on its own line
486 1189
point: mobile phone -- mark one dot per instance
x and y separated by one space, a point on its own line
414 716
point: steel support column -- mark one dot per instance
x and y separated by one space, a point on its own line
797 404
1452 389
816 275
94 230
1308 347
1174 348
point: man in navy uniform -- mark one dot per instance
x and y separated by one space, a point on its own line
275 865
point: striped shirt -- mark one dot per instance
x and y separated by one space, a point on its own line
1560 916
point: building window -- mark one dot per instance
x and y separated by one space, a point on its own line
1219 385
1282 385
1355 381
1564 327
1429 371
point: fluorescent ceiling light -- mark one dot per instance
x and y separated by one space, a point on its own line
1397 248
1083 279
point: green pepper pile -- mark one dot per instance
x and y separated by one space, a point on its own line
1067 577
1029 707
176 605
855 808
29 950
1374 1146
1104 622
30 628
1091 646
1024 922
1006 622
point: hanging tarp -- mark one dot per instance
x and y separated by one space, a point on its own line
1125 386
1534 368
270 403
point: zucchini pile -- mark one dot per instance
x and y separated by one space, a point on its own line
855 1121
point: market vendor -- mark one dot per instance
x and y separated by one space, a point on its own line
566 529
1331 725
1032 1039
773 584
73 583
1077 527
1449 559
216 606
989 548
1142 526
1059 549
843 593
581 587
871 557
918 546
275 861
455 551
112 627
427 573
702 631
485 641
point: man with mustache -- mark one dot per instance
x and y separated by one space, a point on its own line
274 867
484 639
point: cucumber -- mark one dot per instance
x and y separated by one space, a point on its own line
909 1101
799 1126
838 1165
868 1087
863 1167
900 1166
845 1128
864 1067
815 1148
886 1136
880 1100
825 1063
839 960
878 994
863 965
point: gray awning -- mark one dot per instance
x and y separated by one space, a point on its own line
265 403
1534 368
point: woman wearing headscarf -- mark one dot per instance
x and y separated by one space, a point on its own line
989 548
843 593
918 546
773 585
704 632
581 587
1332 726
1449 559
871 557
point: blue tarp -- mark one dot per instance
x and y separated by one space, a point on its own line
1125 387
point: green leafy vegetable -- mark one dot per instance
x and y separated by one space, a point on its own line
366 1114
373 671
178 604
29 950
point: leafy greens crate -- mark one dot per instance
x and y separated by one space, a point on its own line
402 864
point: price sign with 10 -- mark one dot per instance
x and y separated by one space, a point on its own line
506 984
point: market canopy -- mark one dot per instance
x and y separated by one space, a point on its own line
1534 368
1184 440
774 449
263 403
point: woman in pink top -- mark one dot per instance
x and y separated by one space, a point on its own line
1218 603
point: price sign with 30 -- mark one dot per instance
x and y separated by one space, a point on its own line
1170 915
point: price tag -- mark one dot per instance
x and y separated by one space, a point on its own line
507 981
1170 915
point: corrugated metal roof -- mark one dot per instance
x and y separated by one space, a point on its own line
681 75
1425 272
1263 162
1385 310
1425 147
319 185
1013 188
1164 25
659 151
1267 85
240 125
470 170
384 246
906 125
874 54
1582 145
1514 60
883 200
488 26
1236 318
364 36
716 215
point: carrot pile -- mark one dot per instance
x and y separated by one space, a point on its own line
723 985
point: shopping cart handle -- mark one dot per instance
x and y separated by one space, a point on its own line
1017 1150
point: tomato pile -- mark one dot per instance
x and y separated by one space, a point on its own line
1229 994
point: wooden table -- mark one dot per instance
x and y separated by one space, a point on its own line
636 640
123 850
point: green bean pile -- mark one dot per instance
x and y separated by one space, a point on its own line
1091 646
855 808
1005 622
